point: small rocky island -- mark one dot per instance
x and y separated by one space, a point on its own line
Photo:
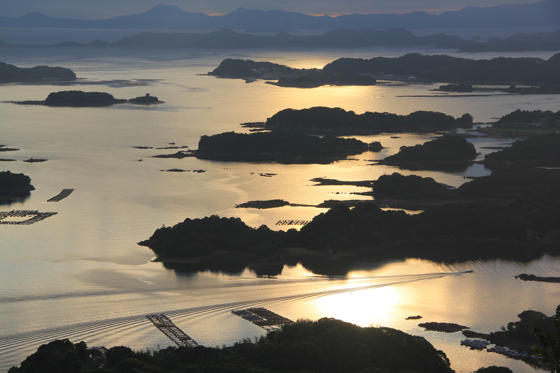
88 99
14 186
14 74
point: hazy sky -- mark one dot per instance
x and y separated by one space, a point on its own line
108 8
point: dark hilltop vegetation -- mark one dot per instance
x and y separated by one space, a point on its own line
83 99
337 121
14 74
517 209
277 146
323 346
539 150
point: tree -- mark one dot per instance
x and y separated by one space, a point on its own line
550 344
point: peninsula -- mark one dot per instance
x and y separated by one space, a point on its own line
14 74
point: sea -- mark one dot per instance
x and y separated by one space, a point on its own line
81 275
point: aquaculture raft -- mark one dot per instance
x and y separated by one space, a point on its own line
262 317
171 330
34 215
65 193
292 222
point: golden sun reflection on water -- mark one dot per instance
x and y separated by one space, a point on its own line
365 308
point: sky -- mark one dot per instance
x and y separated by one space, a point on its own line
96 9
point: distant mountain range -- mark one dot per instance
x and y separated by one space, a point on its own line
545 13
345 38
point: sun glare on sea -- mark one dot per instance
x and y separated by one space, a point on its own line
369 307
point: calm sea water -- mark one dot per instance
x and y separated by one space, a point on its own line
81 275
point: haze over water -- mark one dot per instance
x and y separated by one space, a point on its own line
81 275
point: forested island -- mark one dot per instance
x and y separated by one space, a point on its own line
411 67
516 210
324 346
88 99
278 146
14 186
14 74
443 151
337 121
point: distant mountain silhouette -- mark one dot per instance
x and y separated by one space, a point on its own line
543 13
344 38
332 39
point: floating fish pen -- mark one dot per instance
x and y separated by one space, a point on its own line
293 222
34 216
60 196
167 327
262 317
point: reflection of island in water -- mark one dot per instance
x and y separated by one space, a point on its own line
88 99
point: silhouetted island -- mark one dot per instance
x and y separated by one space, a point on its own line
87 99
323 346
445 150
526 277
337 121
443 327
286 76
13 186
14 74
277 146
460 72
513 213
538 150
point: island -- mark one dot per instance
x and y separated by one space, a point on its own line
14 186
523 123
250 70
277 146
443 151
337 121
14 74
460 73
513 213
526 277
538 150
273 203
323 346
88 99
444 327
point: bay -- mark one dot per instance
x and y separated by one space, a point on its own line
80 274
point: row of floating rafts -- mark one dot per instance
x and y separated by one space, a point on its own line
292 222
479 344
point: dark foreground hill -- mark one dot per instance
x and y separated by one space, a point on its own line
323 346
